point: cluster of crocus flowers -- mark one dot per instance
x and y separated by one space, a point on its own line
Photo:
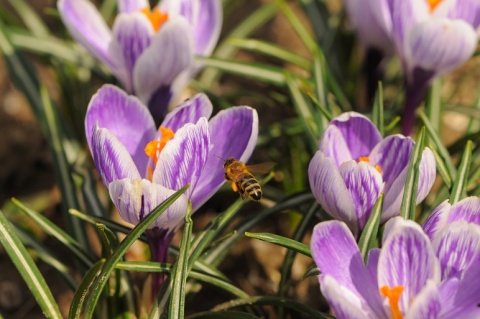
141 166
411 276
431 37
354 165
150 50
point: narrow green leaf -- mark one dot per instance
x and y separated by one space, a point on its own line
442 168
27 268
320 76
409 200
433 105
81 293
377 111
282 241
474 125
254 70
437 142
273 301
393 124
223 315
56 232
177 298
108 240
31 19
458 189
370 231
101 280
270 50
311 271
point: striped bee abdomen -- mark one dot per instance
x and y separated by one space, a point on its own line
250 186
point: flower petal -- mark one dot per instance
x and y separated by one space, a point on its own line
238 124
468 209
344 303
132 34
189 111
205 16
359 135
407 260
364 183
336 254
466 10
111 157
135 199
457 247
329 189
437 219
440 45
125 117
87 27
129 6
426 304
170 53
182 160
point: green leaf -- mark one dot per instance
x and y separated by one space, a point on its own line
180 274
282 241
442 168
458 189
409 200
56 232
311 271
108 240
31 19
320 76
377 111
270 50
223 315
100 282
27 268
433 105
370 231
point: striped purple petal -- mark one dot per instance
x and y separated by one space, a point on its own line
205 17
132 34
466 10
129 6
441 44
182 160
407 260
364 183
426 304
437 219
329 189
111 157
468 209
457 247
125 117
238 125
87 27
359 137
135 199
170 53
189 111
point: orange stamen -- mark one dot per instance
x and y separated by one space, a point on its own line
154 148
393 296
367 160
155 16
433 4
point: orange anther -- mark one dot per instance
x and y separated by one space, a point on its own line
155 16
393 296
154 148
433 4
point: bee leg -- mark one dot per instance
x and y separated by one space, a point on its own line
235 187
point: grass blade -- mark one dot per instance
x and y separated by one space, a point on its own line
370 231
27 268
377 112
282 241
409 200
458 189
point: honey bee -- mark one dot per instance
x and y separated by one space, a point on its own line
239 174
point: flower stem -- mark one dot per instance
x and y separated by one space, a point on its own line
158 240
414 93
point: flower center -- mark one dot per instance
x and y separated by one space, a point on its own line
393 296
155 16
433 4
154 148
367 159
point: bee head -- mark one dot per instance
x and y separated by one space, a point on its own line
229 162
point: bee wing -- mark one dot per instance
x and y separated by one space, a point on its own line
261 168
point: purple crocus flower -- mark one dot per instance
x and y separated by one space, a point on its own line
431 37
354 165
120 131
468 210
150 51
403 279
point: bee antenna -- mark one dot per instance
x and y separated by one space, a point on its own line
219 157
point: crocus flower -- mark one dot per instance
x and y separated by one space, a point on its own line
431 37
141 166
354 165
468 210
149 50
403 279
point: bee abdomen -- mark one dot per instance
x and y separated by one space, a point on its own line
250 186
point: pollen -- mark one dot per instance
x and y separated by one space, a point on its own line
367 160
393 296
155 16
433 4
154 148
